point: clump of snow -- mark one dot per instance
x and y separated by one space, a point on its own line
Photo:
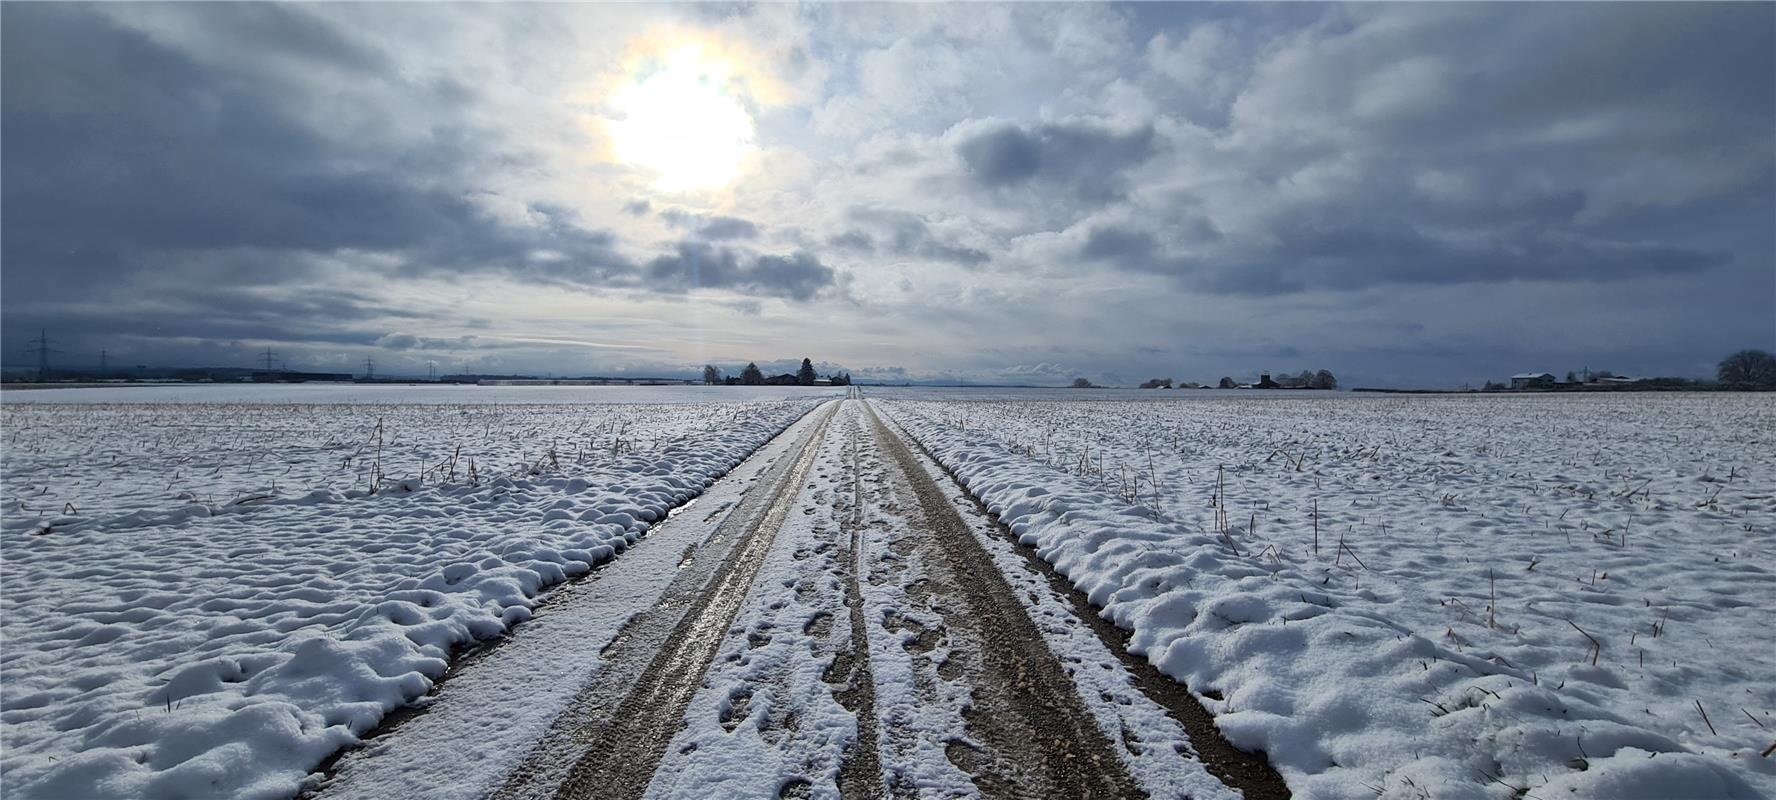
207 600
1509 594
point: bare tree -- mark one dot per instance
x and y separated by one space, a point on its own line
1323 380
1081 383
711 375
1226 383
1748 368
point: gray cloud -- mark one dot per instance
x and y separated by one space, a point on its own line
1084 159
728 228
1130 248
903 233
698 265
337 179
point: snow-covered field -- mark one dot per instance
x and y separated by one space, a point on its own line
1569 596
205 591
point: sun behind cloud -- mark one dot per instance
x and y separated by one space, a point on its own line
681 115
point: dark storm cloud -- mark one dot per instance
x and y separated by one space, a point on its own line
903 233
1084 159
699 265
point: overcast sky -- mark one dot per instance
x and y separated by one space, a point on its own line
1422 194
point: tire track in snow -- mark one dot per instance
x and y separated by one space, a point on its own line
861 775
617 737
1249 773
782 708
1031 733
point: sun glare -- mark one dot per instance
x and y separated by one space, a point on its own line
680 119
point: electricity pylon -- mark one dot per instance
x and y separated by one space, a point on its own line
42 347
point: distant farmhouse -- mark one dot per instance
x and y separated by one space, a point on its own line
1532 380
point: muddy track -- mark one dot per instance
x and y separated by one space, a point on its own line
1030 735
1249 772
620 726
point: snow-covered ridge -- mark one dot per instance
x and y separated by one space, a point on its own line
1445 649
221 600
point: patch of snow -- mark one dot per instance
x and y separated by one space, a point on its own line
1439 643
166 637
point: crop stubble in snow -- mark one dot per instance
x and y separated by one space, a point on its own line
219 602
1436 650
1250 773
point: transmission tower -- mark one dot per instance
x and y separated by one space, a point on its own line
369 368
104 364
269 357
432 370
41 347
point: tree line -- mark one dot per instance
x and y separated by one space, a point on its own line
751 375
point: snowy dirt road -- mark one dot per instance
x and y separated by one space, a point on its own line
836 619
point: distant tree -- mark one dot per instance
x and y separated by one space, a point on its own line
841 379
1322 380
1081 383
1748 369
731 380
711 375
1158 383
805 375
1493 386
751 376
1226 383
1571 377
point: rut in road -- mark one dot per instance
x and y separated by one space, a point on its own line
1030 734
660 657
852 629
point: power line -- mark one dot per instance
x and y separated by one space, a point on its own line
432 370
42 347
369 368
